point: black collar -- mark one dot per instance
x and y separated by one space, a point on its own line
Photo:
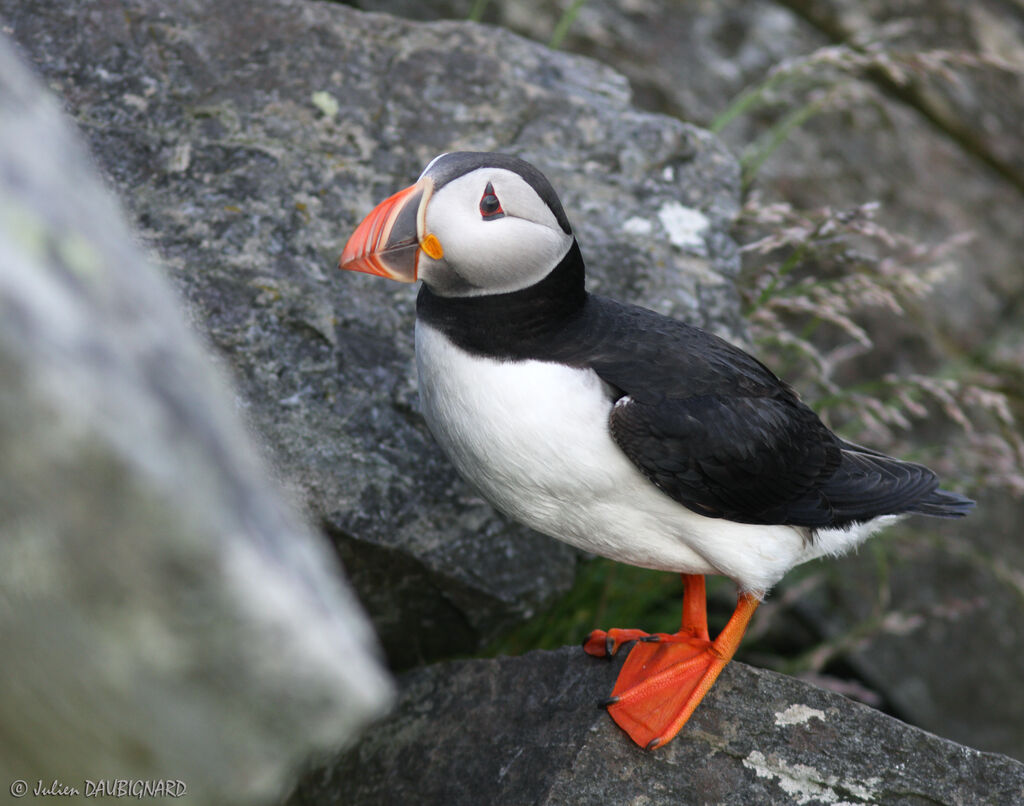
514 325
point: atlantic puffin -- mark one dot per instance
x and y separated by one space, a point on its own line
621 431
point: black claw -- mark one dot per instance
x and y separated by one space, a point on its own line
650 639
609 701
653 743
609 646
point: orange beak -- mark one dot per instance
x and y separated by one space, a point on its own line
388 241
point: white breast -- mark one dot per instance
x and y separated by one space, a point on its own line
533 437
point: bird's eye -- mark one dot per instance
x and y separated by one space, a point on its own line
490 207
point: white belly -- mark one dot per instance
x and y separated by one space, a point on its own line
533 438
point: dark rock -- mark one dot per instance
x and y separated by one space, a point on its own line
248 138
687 60
163 613
528 730
945 650
982 109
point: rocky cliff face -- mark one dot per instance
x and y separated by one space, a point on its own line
246 139
931 131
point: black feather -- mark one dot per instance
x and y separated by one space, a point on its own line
707 423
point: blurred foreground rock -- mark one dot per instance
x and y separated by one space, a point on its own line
249 138
163 615
527 730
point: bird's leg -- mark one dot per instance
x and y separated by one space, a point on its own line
695 607
666 676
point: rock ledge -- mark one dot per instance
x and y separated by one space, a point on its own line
758 738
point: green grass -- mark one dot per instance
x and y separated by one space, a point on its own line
608 594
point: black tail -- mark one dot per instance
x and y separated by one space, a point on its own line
869 483
943 504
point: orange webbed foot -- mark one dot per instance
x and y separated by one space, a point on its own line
665 677
659 687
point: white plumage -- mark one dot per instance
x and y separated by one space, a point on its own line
533 438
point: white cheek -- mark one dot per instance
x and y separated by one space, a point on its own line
502 248
502 255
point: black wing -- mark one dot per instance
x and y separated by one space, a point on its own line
717 431
754 460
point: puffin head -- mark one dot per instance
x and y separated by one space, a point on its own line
474 223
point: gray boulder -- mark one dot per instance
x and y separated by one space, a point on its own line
528 730
248 139
164 616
